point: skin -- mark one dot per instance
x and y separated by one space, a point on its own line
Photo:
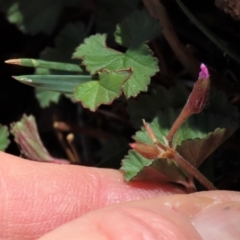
50 201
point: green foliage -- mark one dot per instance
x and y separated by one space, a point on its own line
28 62
59 83
34 16
135 30
4 141
65 43
96 56
137 167
94 93
45 97
199 136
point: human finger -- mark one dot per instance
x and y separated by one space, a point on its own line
208 215
37 197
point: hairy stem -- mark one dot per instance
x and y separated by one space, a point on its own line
193 171
183 116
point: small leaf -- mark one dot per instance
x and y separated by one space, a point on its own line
137 167
26 135
4 141
45 98
197 150
94 93
96 56
59 83
133 163
33 16
136 29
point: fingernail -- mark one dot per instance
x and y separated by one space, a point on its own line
221 221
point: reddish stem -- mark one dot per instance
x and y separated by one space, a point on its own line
193 171
183 116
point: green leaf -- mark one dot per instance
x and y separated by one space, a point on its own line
133 163
33 16
138 167
58 83
94 93
197 150
96 56
198 137
137 29
45 98
4 141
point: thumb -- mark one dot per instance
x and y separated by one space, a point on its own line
196 216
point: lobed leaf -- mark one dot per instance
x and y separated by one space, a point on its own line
45 97
198 137
137 29
138 167
4 134
198 149
133 163
96 56
94 93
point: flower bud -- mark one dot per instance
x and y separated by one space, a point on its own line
195 103
199 95
147 151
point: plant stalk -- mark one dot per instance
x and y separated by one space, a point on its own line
193 171
183 116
